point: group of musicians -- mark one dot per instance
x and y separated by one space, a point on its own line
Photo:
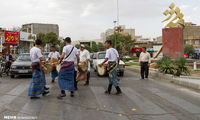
74 68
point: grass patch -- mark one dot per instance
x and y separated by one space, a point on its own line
130 64
128 59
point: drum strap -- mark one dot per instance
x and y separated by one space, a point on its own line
69 53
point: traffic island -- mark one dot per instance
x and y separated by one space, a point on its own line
192 82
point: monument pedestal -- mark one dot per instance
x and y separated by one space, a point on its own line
173 43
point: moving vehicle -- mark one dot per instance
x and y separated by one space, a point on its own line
99 57
22 65
91 59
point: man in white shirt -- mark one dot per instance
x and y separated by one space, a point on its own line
37 86
144 60
113 59
66 74
54 56
85 57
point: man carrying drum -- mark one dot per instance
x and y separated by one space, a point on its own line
113 59
84 66
54 56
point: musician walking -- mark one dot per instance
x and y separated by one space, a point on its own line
53 57
113 59
66 74
37 85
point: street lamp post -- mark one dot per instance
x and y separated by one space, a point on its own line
115 34
117 12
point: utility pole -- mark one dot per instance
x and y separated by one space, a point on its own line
115 34
117 12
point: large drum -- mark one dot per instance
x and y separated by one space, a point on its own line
82 72
48 68
101 70
52 65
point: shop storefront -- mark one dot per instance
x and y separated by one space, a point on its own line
26 42
10 42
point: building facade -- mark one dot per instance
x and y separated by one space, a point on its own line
35 28
125 31
192 35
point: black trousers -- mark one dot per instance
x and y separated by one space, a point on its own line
88 77
144 70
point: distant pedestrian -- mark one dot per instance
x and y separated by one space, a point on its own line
144 60
113 59
66 74
37 85
54 56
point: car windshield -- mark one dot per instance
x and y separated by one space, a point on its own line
45 56
101 55
24 57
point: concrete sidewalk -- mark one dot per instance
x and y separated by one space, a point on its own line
186 81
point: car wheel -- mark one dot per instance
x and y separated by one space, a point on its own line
12 76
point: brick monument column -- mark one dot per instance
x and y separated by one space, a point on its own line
173 43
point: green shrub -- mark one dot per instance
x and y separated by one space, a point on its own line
174 67
128 59
180 67
165 65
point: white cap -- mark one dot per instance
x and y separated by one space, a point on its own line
83 46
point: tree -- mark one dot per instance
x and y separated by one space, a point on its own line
94 47
77 46
62 44
51 38
41 36
87 47
189 49
123 43
101 47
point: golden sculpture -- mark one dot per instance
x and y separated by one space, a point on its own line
178 18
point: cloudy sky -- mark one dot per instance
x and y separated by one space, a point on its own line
86 19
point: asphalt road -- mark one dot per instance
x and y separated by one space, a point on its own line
141 100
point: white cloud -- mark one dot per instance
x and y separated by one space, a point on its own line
88 18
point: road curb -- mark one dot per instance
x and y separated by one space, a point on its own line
186 81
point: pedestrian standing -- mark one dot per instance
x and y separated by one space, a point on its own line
53 57
144 60
66 74
37 85
113 59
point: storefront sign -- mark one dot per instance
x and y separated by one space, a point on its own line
11 37
136 50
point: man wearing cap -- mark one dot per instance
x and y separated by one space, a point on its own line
113 59
84 60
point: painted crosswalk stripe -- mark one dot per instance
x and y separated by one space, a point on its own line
146 106
10 96
106 103
187 106
32 108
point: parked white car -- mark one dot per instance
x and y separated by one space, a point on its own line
99 57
